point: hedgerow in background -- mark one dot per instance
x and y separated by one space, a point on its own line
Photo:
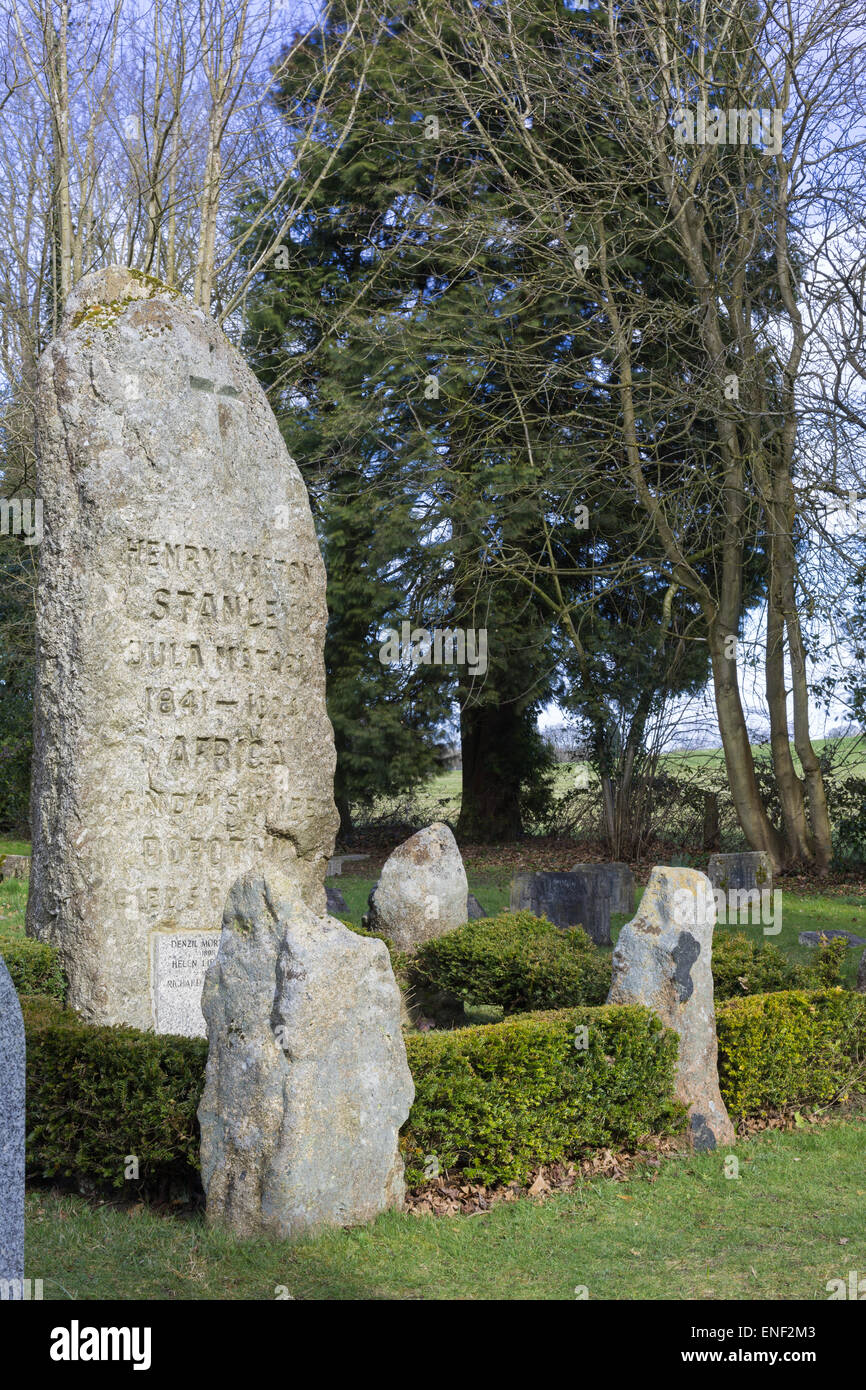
516 960
96 1095
34 967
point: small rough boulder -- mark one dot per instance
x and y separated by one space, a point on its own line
663 960
422 890
307 1082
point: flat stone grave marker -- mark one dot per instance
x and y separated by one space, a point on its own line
615 879
566 900
813 938
734 872
14 866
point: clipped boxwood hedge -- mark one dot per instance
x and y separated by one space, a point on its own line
516 960
498 1100
34 966
741 967
791 1048
95 1095
493 1101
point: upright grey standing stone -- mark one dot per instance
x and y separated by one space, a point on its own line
422 890
566 900
307 1083
733 872
663 960
181 734
615 879
861 975
12 1050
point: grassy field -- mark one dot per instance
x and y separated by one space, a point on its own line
793 1219
14 846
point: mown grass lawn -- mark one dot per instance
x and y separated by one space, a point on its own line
793 1219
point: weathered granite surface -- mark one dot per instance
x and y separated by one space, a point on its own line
12 1129
307 1083
663 960
422 890
181 734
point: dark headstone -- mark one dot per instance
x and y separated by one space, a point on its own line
336 902
616 880
813 938
566 900
861 974
11 1140
749 870
14 866
473 908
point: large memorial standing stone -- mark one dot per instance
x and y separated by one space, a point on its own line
566 900
663 960
307 1082
180 733
12 1048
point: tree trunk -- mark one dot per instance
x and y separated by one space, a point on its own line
756 824
490 805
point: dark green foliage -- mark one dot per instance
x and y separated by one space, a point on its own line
740 967
497 1101
516 960
95 1095
34 967
791 1048
17 571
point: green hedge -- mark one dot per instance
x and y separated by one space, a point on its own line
741 967
34 966
493 1101
791 1048
498 1100
95 1095
516 960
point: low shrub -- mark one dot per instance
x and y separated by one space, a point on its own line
740 967
498 1100
517 961
34 966
95 1095
493 1101
829 963
791 1048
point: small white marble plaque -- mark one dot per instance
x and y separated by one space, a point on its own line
179 960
